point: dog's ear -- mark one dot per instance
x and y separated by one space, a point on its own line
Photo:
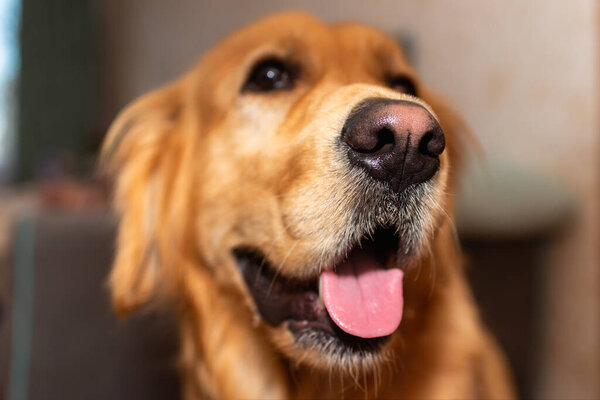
142 154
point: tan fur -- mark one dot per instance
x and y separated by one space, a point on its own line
200 169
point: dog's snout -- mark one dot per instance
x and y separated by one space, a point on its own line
394 141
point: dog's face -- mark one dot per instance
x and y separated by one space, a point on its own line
303 168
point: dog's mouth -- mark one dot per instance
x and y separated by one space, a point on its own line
355 305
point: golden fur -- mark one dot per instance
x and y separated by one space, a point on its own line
200 169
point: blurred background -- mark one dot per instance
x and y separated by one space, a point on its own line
524 75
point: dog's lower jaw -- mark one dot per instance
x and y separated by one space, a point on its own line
235 358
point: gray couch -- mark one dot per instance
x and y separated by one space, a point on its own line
58 336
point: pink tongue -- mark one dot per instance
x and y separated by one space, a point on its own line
362 297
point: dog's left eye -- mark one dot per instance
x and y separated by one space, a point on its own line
403 84
269 75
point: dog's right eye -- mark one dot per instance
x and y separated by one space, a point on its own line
269 75
403 84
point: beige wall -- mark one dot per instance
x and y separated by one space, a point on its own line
523 73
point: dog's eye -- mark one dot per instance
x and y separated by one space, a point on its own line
269 75
403 84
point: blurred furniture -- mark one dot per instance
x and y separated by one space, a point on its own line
506 217
58 336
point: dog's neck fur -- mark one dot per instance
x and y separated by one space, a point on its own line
231 358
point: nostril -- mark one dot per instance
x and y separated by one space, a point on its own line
424 143
371 141
385 140
432 143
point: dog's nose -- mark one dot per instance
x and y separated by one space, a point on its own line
394 141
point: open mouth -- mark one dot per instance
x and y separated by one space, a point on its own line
356 304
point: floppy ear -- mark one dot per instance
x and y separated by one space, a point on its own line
142 152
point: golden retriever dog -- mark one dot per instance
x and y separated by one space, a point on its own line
291 198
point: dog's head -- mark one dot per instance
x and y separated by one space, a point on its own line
301 169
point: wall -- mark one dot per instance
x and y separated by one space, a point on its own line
523 74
